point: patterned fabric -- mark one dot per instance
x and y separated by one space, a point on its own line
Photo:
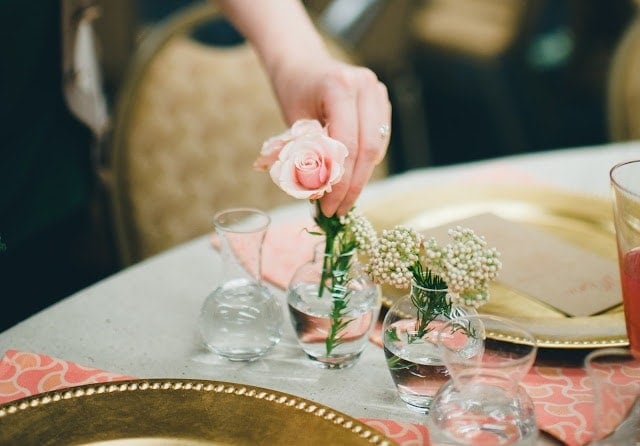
562 396
24 374
563 401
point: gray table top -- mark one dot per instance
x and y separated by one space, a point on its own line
142 320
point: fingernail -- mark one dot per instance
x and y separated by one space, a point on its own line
327 211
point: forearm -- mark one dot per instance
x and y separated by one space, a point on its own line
279 30
348 100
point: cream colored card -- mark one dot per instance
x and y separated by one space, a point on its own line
571 279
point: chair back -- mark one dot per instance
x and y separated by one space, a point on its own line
189 121
479 29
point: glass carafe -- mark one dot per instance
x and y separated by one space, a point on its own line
483 403
241 320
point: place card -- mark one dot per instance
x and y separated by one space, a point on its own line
571 279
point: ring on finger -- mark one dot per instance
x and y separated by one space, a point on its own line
384 131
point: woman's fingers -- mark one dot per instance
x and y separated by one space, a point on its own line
340 108
374 115
358 113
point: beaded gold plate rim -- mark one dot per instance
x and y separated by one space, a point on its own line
181 412
579 218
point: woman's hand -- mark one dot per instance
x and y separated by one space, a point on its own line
355 107
310 83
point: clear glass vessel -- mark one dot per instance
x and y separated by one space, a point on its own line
613 373
333 325
241 320
409 335
483 403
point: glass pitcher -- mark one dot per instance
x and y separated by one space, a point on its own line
241 320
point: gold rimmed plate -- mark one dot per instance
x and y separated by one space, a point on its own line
177 412
583 220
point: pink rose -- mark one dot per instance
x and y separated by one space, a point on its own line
272 147
309 165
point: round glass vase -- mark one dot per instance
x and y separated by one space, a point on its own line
334 313
241 320
410 334
483 403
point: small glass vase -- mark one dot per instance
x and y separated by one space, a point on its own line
483 403
613 373
241 320
333 325
409 335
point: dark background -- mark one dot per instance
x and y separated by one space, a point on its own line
546 91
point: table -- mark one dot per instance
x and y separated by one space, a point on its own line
142 320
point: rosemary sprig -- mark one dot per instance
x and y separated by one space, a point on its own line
338 252
429 298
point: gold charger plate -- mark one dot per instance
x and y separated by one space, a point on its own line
177 412
584 220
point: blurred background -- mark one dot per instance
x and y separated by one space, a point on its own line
468 79
472 79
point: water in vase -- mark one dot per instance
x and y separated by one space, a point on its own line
311 322
416 369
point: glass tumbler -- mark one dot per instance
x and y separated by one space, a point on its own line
615 379
483 403
333 325
625 184
241 320
410 340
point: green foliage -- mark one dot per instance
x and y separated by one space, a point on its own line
338 253
429 296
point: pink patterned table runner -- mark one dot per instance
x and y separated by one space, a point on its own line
24 374
562 396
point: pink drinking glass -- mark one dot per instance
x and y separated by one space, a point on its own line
625 183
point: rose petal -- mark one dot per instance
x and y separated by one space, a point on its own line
272 147
311 170
306 126
304 161
281 175
308 166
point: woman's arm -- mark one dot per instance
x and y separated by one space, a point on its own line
310 83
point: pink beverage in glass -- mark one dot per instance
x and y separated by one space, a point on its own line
630 281
625 182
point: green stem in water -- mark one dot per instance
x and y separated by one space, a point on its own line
335 274
430 299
